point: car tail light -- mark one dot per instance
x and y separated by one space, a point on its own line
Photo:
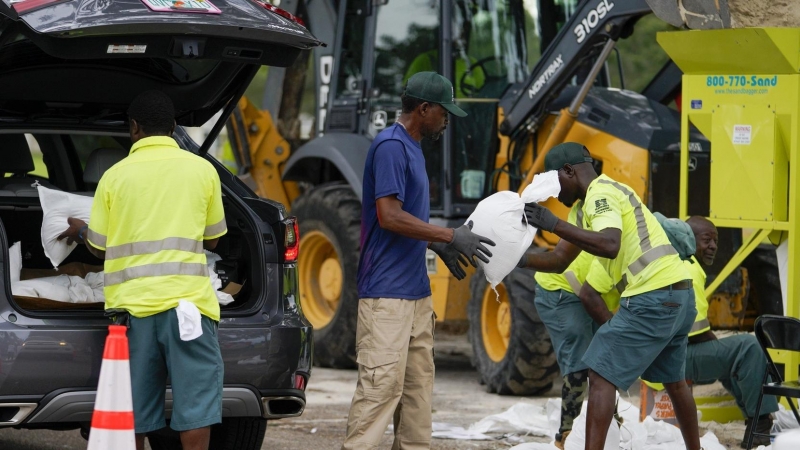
299 382
291 240
283 13
32 5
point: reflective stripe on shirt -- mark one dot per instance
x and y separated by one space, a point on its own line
217 228
155 270
573 281
96 238
699 325
150 247
649 254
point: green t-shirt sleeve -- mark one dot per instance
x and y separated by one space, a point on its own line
98 218
602 208
215 218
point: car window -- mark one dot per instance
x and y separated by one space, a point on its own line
85 144
40 169
38 160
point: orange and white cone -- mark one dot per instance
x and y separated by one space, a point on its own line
112 421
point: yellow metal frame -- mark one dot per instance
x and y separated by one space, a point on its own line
763 66
711 410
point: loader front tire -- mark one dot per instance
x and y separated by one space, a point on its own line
329 217
510 345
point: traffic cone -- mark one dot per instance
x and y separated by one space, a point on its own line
112 420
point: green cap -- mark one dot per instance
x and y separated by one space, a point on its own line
434 88
567 153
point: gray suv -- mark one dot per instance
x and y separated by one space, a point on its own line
68 70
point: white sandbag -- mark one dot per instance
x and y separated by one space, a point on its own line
57 207
52 288
15 261
95 281
501 218
788 440
211 260
576 439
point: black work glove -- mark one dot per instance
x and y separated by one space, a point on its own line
470 244
540 217
452 258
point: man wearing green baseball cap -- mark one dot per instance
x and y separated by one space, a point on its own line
647 337
434 88
394 331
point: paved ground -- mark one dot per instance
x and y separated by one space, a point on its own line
458 399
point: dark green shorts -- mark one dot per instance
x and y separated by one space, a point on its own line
569 326
646 338
195 368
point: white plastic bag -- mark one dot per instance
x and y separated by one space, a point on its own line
15 261
576 440
501 218
57 207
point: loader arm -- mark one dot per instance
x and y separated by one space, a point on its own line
582 38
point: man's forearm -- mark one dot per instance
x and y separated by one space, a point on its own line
600 244
594 305
405 224
548 262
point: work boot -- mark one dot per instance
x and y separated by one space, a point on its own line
763 425
561 439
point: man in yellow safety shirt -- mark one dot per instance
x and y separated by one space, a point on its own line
153 214
569 326
736 361
647 336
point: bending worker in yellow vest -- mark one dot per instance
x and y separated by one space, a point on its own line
736 361
569 326
647 336
153 214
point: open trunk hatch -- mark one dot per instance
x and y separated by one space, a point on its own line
83 61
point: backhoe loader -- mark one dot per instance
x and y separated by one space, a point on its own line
516 114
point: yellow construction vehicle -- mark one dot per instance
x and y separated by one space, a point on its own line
516 114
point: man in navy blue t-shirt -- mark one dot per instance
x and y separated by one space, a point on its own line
394 335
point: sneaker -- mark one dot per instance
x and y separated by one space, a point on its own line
763 425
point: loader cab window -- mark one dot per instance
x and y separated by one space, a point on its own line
349 78
489 53
406 42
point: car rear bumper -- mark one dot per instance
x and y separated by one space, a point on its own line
76 406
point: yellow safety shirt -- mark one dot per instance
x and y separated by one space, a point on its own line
572 278
151 213
602 283
701 324
646 259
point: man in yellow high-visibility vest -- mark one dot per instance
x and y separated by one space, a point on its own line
153 214
647 336
736 361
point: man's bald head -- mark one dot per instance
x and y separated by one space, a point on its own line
706 239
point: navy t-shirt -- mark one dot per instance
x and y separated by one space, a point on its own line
392 265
